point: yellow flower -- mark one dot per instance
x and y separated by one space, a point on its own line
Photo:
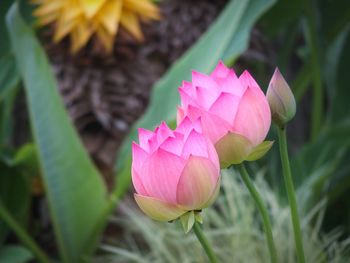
83 19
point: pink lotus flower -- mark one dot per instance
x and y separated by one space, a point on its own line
234 113
174 172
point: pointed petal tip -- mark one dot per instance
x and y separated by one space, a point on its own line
143 130
277 71
134 144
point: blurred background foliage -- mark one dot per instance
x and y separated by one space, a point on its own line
62 179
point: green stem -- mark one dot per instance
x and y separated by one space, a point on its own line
263 211
282 138
22 234
204 242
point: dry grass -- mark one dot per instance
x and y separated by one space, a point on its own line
234 228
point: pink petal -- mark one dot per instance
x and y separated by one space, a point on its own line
187 125
253 118
247 80
174 144
137 183
213 126
197 182
186 99
220 72
233 85
158 209
153 144
212 153
144 136
138 156
188 88
214 194
180 115
206 97
160 175
163 132
196 144
225 107
204 81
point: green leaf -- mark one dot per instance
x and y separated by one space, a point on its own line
260 150
316 166
337 68
277 19
7 100
75 190
15 254
13 182
5 42
225 39
8 75
240 39
16 170
334 17
302 81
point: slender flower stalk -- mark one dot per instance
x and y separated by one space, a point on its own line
204 242
288 180
22 235
262 209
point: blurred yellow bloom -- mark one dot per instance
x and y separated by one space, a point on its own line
82 19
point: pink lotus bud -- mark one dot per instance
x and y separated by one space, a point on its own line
281 99
174 172
234 112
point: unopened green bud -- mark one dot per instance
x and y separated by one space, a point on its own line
281 99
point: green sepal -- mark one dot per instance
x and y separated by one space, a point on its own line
259 151
232 148
187 221
198 217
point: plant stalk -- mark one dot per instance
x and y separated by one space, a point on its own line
22 234
262 209
204 242
288 180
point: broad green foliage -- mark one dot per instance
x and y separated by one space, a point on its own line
226 39
75 190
